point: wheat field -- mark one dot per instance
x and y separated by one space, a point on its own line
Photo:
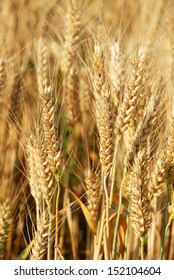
86 130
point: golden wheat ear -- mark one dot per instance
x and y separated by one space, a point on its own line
52 144
41 179
99 69
92 192
104 120
140 205
72 96
40 242
5 221
48 109
128 107
2 78
117 72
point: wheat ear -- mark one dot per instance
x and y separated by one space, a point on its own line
105 128
146 128
5 220
41 238
43 64
140 204
72 96
47 101
126 112
40 176
72 34
84 97
139 200
116 72
99 69
52 146
35 187
130 99
92 192
2 78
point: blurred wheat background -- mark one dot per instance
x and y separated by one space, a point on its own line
86 129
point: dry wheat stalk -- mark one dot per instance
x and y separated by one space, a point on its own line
59 253
131 97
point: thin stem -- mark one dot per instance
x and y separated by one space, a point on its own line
37 215
113 171
114 246
165 215
126 237
142 248
51 211
100 236
106 229
57 217
49 251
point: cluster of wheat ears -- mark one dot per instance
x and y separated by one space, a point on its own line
86 129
